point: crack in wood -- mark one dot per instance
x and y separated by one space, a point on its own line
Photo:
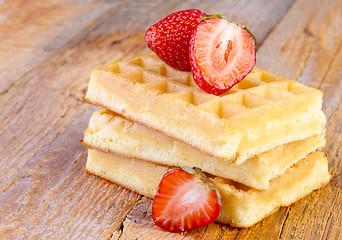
325 227
221 234
236 234
206 227
305 207
79 99
305 62
117 41
284 222
333 112
14 82
307 31
120 231
122 226
330 65
6 188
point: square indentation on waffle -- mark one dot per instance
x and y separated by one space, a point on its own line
257 89
257 114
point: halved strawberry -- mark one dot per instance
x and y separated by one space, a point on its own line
169 38
186 199
222 53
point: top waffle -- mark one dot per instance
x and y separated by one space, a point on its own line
259 113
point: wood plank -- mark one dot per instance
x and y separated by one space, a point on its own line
78 204
307 46
303 47
324 205
31 30
44 118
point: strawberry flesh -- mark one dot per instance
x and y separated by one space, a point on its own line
221 54
169 38
184 201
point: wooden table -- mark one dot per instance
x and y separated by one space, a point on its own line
47 52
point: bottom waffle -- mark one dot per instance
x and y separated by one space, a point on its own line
242 206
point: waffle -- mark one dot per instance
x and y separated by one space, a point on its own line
111 132
242 206
256 115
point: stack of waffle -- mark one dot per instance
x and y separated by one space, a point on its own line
258 142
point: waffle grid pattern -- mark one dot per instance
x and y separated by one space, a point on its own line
260 113
257 89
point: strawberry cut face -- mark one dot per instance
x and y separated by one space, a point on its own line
185 201
221 54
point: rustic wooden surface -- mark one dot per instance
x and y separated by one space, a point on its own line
47 52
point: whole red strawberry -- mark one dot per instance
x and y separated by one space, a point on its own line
169 38
186 199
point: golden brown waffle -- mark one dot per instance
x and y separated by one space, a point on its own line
258 114
111 132
242 206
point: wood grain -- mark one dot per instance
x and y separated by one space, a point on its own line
307 46
47 52
31 30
